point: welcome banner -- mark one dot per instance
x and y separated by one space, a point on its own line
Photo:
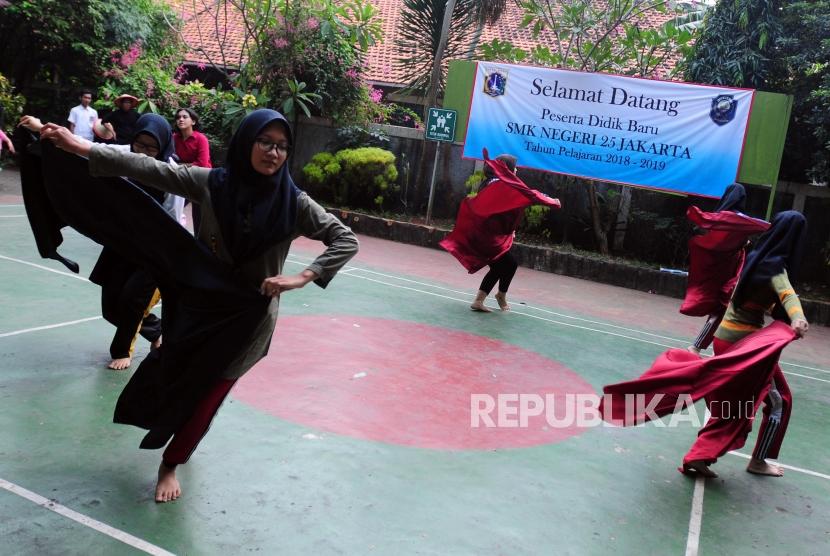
656 134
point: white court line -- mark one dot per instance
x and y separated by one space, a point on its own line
791 467
806 376
12 216
682 342
75 276
525 305
48 326
512 311
86 521
543 318
696 518
803 367
11 205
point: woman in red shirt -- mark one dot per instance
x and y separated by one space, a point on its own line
193 149
191 146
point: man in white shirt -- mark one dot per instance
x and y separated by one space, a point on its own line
82 117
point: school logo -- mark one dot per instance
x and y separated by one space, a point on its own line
723 109
495 83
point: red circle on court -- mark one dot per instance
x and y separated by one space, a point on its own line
410 384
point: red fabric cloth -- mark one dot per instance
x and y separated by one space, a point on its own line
735 380
484 228
716 258
187 438
193 150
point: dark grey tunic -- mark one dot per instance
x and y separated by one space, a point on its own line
192 183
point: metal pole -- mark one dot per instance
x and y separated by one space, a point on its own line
432 183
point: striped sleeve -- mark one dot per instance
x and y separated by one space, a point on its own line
787 296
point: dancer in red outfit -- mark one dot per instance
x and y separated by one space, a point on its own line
716 258
486 225
745 367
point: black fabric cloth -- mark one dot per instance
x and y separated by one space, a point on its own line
778 249
254 211
125 294
209 313
126 289
45 223
502 271
124 124
734 199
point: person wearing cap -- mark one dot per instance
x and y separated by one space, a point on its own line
82 117
124 119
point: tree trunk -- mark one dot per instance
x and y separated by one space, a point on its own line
435 77
600 234
621 221
432 90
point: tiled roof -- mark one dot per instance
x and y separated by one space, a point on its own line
214 24
214 31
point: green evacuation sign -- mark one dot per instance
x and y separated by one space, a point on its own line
441 124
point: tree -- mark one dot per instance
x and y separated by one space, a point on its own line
804 51
426 46
432 31
737 43
46 42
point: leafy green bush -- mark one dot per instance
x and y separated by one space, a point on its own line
354 136
11 104
364 177
321 45
473 182
535 220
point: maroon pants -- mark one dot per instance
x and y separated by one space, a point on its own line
188 437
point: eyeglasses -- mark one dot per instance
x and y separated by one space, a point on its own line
143 148
266 146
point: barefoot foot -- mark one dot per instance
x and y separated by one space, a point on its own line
167 488
761 467
480 307
698 467
501 299
120 364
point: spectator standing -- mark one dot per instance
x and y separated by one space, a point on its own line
82 117
124 119
193 149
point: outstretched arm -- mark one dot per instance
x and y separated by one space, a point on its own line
4 140
190 183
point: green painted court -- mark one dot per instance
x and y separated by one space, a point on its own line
354 436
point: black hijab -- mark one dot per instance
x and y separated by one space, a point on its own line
159 129
254 211
780 248
734 199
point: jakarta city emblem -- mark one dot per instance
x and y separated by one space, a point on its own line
495 83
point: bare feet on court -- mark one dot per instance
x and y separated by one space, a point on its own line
120 364
761 467
699 468
167 487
